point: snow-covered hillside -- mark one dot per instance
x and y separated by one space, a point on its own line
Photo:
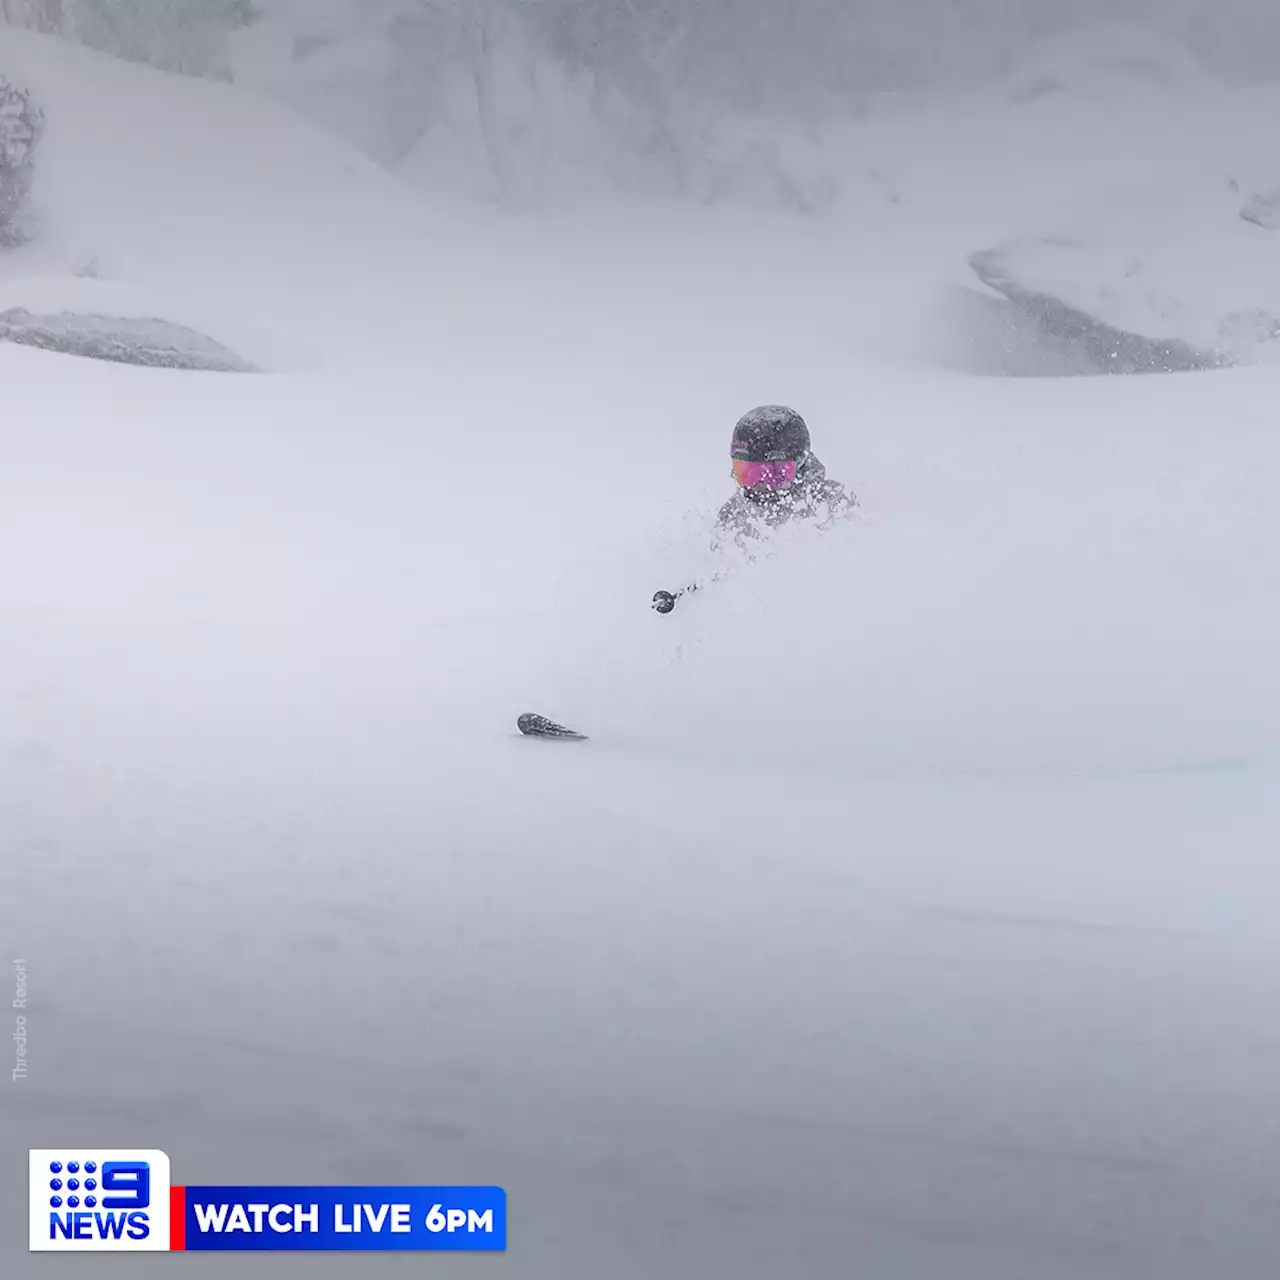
909 913
232 206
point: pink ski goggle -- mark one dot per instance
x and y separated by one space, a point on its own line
773 475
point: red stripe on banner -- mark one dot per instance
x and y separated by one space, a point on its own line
177 1218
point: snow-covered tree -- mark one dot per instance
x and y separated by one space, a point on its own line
178 35
21 123
504 91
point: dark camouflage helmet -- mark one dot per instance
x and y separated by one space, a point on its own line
769 434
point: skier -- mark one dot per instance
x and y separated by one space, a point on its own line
779 478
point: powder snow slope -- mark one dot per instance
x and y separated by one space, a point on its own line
910 911
231 205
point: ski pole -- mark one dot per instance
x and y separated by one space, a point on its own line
665 601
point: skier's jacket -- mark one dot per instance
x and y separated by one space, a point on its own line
813 497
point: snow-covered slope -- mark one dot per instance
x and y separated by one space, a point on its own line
212 194
911 908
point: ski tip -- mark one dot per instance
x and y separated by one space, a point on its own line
536 726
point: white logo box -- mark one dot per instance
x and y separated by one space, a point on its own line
91 1199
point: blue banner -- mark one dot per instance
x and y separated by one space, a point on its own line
459 1219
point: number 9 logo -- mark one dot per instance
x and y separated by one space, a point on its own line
130 1177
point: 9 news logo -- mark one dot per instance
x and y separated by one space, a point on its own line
105 1200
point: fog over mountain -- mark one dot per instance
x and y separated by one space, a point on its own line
519 99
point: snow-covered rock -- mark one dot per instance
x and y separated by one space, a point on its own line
1160 277
151 342
129 323
1263 209
1107 348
